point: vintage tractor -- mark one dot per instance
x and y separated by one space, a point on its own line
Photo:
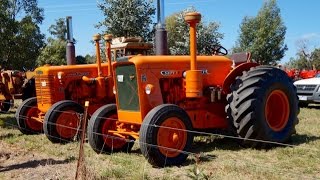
61 92
15 85
165 100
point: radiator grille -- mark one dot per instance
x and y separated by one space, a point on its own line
45 89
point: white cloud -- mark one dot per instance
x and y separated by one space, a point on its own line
310 36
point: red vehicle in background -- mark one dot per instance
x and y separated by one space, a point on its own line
297 74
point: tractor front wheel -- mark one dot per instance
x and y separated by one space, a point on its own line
263 107
25 115
165 135
5 105
104 120
62 122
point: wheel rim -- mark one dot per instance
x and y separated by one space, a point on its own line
32 123
172 137
110 139
67 124
277 110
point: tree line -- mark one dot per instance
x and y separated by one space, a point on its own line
23 45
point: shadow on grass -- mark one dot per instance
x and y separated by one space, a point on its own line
8 122
9 135
298 139
33 164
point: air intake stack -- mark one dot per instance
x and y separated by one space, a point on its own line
193 76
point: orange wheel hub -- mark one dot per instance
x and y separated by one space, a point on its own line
111 140
67 124
172 137
32 123
277 110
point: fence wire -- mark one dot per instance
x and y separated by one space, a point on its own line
190 153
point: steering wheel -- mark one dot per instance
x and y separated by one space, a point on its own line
219 50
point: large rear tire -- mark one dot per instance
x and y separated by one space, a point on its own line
62 123
104 119
263 105
165 136
24 116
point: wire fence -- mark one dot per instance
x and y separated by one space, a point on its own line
114 137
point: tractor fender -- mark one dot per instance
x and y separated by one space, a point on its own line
234 73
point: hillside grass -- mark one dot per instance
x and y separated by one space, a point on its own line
217 157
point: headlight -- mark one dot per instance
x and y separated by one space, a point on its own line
149 88
114 90
60 74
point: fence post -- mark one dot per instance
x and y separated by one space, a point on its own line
81 169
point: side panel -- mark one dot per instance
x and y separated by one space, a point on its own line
126 80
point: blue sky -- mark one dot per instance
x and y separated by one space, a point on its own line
300 18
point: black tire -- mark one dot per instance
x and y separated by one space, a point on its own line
29 89
51 127
95 133
5 105
22 113
247 103
149 144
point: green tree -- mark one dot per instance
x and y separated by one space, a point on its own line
263 35
305 59
54 53
59 30
127 18
178 34
20 36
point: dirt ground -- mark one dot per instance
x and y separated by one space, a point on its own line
16 163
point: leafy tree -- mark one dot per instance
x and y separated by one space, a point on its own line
54 53
263 35
20 36
178 34
305 59
127 18
59 30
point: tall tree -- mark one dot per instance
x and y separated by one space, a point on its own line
305 58
127 18
178 34
263 35
20 36
54 53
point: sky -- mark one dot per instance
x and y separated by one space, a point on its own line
300 18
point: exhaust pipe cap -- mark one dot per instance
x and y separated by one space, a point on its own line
97 37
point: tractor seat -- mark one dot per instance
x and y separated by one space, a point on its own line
239 58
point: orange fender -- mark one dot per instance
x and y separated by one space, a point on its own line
234 73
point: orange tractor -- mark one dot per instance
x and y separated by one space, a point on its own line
15 85
61 92
165 100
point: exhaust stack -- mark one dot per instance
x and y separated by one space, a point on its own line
70 53
161 42
193 76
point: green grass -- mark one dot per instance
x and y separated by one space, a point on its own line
220 158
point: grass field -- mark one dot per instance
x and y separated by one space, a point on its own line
35 157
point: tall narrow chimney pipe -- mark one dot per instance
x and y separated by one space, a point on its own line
70 49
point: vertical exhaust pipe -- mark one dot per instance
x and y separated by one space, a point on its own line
108 39
70 51
96 39
161 42
193 76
